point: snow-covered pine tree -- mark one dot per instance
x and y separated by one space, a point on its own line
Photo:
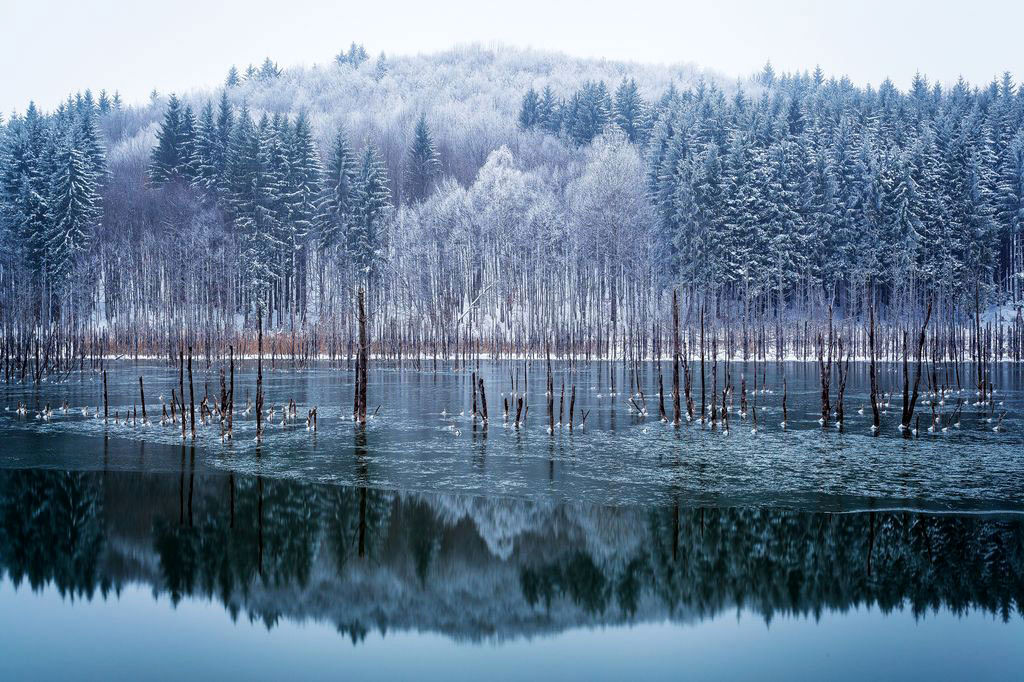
302 189
529 114
549 112
372 199
74 212
205 152
268 70
171 159
103 103
380 67
590 110
24 193
254 205
630 111
338 202
89 142
424 166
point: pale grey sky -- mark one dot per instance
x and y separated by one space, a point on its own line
51 47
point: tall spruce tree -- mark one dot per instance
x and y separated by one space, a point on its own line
529 114
372 199
302 189
74 212
338 202
255 201
171 159
630 111
424 166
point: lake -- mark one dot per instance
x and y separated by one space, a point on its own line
431 545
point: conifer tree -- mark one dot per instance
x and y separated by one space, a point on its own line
74 211
424 166
589 111
25 191
171 159
302 189
629 111
88 140
549 116
380 68
205 152
529 114
268 70
372 199
254 205
336 208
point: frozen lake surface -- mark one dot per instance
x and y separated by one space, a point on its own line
431 546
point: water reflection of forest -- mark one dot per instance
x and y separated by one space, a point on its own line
473 567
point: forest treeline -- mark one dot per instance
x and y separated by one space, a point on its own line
565 211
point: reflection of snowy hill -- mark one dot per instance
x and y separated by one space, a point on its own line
475 568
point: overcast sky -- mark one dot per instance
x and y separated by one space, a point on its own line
50 48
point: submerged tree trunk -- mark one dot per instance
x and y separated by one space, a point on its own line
363 360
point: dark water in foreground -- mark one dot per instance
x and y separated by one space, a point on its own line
427 549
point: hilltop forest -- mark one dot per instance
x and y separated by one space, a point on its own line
510 200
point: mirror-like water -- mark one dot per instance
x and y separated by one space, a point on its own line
431 546
451 581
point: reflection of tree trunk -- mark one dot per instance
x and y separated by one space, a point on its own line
259 532
361 450
191 483
362 522
871 541
181 490
231 484
675 531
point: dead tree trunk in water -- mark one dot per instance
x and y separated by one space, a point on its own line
231 393
785 396
363 360
181 389
873 368
844 373
259 377
223 408
703 400
825 367
909 404
977 338
191 394
105 410
483 400
142 396
676 410
551 399
572 408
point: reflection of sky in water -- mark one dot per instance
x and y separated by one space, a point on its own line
134 636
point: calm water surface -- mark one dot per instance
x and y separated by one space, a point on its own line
428 547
